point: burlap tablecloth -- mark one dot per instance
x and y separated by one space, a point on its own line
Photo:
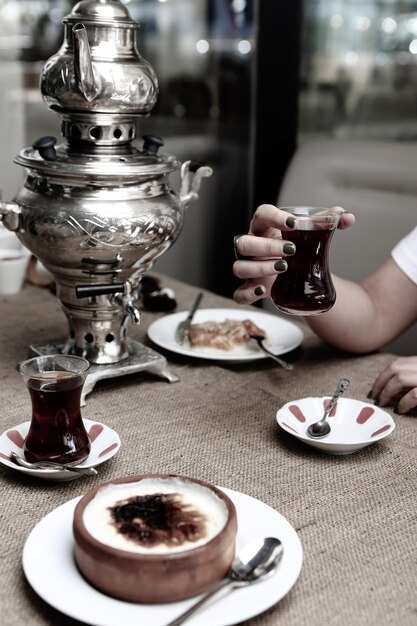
356 515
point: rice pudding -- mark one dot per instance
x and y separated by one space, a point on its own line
155 515
154 538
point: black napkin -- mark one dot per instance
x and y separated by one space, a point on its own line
154 297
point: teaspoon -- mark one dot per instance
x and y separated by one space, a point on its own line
259 339
88 471
255 560
322 427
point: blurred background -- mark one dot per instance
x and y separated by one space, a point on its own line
245 85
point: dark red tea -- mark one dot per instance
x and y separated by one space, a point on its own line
56 432
306 287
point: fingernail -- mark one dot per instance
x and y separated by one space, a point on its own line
288 248
238 256
369 395
259 291
280 266
290 222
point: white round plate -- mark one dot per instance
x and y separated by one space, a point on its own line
50 569
354 424
282 335
105 443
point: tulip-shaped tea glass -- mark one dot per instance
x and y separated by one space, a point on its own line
306 287
56 432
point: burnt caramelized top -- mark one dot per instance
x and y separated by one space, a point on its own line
160 518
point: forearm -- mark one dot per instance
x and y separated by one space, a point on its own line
368 315
351 323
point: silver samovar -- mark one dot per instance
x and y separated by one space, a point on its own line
96 210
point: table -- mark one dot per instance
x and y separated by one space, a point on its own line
356 515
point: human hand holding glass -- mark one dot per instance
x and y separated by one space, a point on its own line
306 287
273 236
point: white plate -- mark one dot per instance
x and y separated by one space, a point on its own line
105 443
354 424
49 567
283 335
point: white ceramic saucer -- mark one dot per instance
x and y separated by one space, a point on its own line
105 443
50 569
354 424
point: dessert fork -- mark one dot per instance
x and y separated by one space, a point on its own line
182 328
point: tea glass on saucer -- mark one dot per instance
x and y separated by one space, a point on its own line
56 432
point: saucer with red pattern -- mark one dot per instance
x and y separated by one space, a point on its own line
105 443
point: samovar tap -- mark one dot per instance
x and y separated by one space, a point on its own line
125 299
121 294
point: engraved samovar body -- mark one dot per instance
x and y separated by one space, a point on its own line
96 209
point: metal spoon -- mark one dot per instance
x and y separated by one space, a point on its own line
259 339
255 560
88 471
322 427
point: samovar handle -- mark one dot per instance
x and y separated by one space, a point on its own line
192 173
152 143
46 147
9 213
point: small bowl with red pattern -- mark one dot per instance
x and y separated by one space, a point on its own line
354 424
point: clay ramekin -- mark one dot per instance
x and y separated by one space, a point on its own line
153 578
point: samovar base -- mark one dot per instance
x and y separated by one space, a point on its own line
141 358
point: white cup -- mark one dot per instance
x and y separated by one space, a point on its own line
13 266
8 239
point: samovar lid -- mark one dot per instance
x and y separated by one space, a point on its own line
102 11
